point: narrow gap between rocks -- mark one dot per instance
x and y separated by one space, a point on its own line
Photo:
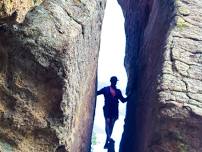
111 62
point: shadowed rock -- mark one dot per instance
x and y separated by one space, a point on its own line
48 76
163 62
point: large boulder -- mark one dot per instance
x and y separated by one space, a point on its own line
48 77
164 66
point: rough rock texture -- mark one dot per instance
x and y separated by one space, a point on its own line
47 77
164 66
8 7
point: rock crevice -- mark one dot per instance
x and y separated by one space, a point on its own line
48 74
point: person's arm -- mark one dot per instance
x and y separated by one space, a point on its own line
101 91
121 98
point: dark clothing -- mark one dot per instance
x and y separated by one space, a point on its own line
111 102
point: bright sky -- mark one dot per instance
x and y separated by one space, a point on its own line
111 59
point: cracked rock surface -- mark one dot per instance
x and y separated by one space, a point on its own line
164 67
48 75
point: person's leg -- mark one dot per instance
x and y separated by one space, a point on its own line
111 126
107 130
107 126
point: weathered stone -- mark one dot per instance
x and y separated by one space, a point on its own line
195 72
171 95
48 77
181 67
197 97
171 82
193 86
163 63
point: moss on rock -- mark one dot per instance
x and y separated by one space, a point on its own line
181 23
182 147
184 11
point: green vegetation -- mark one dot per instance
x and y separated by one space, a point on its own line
35 1
93 139
184 11
5 147
182 147
181 23
1 8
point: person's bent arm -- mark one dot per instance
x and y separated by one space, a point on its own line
121 98
101 91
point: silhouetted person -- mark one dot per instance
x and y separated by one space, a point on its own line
112 96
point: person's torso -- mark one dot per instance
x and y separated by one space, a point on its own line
111 97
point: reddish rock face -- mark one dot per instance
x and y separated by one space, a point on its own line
163 62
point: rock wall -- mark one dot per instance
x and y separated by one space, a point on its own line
164 66
48 75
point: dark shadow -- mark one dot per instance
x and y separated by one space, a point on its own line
147 29
61 148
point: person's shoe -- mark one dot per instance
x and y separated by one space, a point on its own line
106 145
111 140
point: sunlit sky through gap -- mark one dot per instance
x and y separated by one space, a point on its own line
111 62
111 56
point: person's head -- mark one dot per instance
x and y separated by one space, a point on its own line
113 80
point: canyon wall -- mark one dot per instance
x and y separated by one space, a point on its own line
164 66
48 76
